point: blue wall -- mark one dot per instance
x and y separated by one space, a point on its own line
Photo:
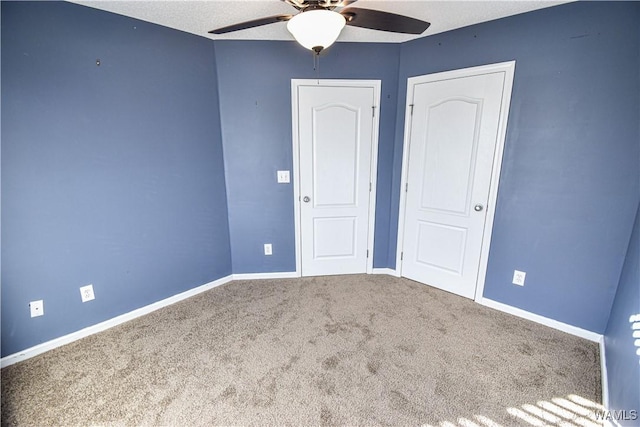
111 175
570 178
255 101
623 363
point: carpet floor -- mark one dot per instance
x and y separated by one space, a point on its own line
339 350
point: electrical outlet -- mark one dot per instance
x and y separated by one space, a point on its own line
518 277
283 177
86 293
37 308
268 249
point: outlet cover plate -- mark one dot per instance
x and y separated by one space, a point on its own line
86 292
518 277
284 177
268 249
37 308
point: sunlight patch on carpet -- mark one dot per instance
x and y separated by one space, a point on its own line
569 411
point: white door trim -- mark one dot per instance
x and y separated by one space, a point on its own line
295 84
509 69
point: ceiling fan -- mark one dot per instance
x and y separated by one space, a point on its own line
319 22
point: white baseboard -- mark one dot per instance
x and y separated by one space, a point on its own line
604 376
387 271
256 276
295 274
605 384
74 336
564 327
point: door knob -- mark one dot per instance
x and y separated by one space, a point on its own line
478 207
306 199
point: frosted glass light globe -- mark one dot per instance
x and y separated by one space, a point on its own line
316 29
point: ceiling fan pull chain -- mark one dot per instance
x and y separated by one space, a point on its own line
318 68
316 65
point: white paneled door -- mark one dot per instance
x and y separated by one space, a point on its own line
454 122
336 127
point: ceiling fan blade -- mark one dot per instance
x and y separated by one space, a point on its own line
251 24
383 21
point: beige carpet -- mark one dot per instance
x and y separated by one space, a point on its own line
342 350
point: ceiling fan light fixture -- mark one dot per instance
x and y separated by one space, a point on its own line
316 29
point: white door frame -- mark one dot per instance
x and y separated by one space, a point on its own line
376 85
509 69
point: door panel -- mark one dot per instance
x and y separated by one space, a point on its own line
449 155
454 130
334 237
335 155
335 139
448 255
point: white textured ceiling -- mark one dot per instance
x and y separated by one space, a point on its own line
199 17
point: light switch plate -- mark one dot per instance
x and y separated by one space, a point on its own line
284 177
